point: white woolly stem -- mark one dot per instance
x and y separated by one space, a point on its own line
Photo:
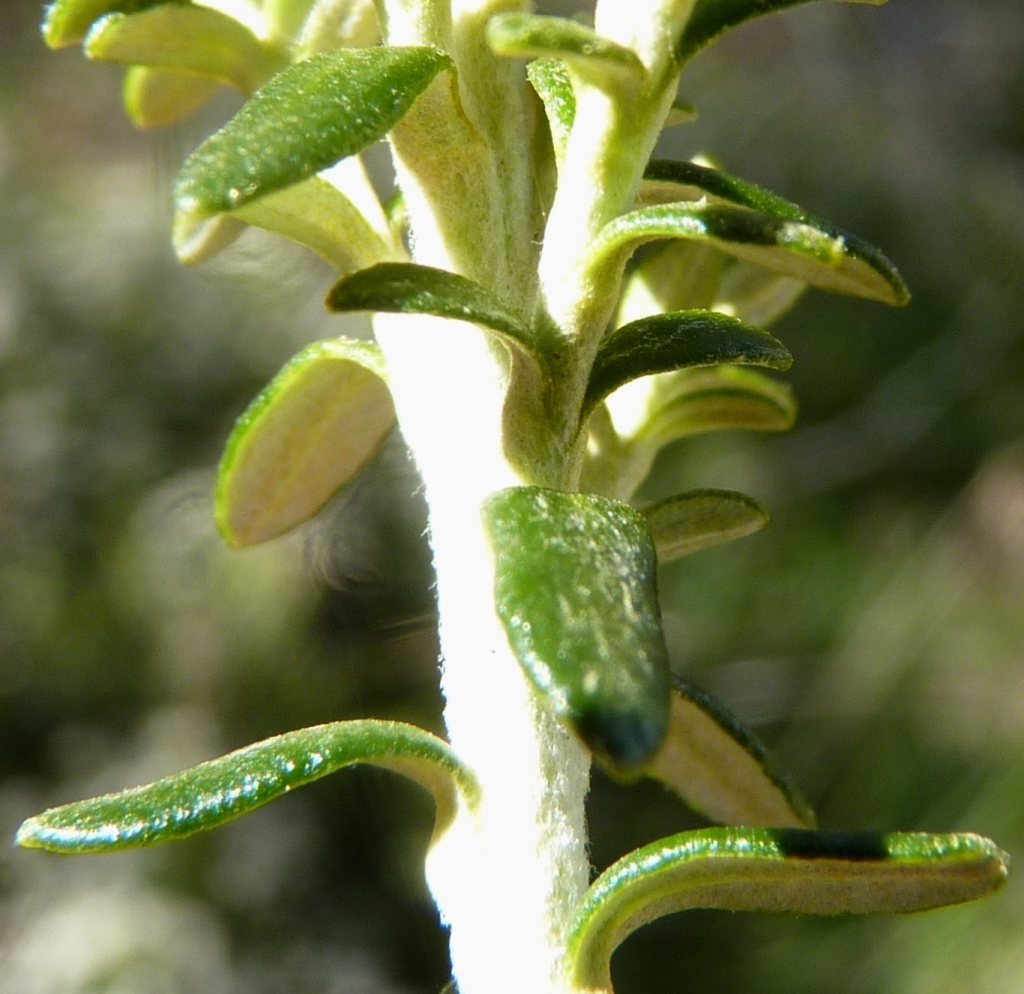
506 879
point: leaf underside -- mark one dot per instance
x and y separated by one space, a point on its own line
775 869
804 251
155 98
700 519
307 433
859 268
185 38
576 591
720 768
222 789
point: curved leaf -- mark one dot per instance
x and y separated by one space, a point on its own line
550 80
821 257
756 295
308 432
712 18
307 118
575 588
319 216
712 399
666 342
796 870
222 789
666 181
154 98
406 288
67 22
186 38
700 519
543 36
720 768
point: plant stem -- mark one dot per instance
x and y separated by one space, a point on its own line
507 878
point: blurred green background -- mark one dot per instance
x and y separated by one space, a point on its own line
873 633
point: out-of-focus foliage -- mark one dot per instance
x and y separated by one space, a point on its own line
872 632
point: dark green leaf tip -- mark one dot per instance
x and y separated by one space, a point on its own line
711 19
406 288
576 591
666 342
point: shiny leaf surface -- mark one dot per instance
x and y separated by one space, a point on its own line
405 288
816 255
222 789
576 590
665 342
667 181
307 118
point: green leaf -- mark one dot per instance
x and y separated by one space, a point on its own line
406 288
67 22
186 39
756 295
720 768
308 432
712 18
307 118
575 588
699 519
596 59
550 80
154 98
782 869
318 215
862 264
665 342
700 400
816 255
222 789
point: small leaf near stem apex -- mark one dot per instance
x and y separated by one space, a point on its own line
595 59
